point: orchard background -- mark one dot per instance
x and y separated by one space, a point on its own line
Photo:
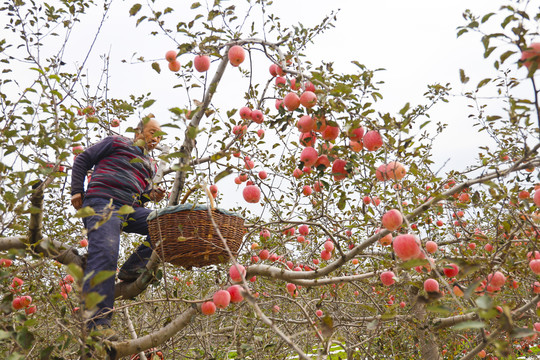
458 281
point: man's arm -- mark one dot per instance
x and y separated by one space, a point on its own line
84 162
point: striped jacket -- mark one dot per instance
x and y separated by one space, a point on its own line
122 171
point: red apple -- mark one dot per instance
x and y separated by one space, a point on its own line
328 245
222 298
395 170
236 293
326 255
531 55
83 243
115 123
303 229
264 254
330 133
16 303
170 55
392 220
174 66
30 310
319 313
323 162
496 279
257 116
309 156
338 169
201 63
308 139
252 194
356 134
406 246
236 55
387 278
245 113
536 198
291 101
305 124
308 99
451 270
431 285
372 140
5 262
431 246
262 175
280 81
208 308
237 273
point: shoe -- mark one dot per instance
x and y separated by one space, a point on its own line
128 276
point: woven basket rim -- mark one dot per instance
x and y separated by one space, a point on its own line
186 207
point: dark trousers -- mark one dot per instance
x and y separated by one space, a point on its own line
103 249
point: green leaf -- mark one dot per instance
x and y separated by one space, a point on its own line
223 174
462 77
148 103
195 5
85 212
522 332
156 67
4 335
92 299
469 325
484 302
483 82
75 271
125 209
134 9
25 338
101 277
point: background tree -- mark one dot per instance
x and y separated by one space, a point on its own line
323 274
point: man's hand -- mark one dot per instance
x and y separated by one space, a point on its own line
77 201
156 194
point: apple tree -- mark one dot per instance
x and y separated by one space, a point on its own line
356 244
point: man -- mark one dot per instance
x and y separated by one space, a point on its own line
122 175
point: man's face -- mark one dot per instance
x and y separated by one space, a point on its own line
150 134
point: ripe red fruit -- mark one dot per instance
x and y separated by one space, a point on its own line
326 255
237 273
5 262
201 63
303 229
30 310
338 169
533 53
208 308
222 298
77 149
322 161
25 300
291 101
319 313
115 123
305 124
431 285
236 293
16 303
309 156
451 270
308 99
372 140
236 55
392 220
83 243
245 113
328 245
535 266
308 139
252 194
306 190
387 278
257 116
536 198
262 175
380 173
496 280
280 81
406 247
330 133
356 134
431 247
264 254
174 66
16 284
170 55
395 170
275 70
294 85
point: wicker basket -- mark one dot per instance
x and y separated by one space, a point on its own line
187 238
